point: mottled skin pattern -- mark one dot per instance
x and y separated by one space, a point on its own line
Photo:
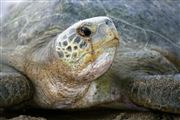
17 88
146 69
153 81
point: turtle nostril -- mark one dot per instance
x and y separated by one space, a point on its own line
108 22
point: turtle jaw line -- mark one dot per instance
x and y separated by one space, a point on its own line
109 44
101 46
105 45
98 67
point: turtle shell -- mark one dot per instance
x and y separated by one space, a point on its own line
140 23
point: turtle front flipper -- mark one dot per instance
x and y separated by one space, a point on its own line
14 89
149 79
161 92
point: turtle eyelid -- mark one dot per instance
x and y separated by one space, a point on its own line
86 24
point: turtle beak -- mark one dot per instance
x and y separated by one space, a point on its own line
112 33
106 34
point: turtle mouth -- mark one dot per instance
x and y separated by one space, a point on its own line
101 61
97 48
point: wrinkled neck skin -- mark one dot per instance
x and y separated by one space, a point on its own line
108 90
54 86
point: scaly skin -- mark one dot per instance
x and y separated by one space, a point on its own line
14 89
150 79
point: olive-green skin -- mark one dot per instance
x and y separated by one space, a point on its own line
145 73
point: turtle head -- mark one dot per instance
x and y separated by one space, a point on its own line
88 47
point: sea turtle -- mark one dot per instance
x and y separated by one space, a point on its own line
144 74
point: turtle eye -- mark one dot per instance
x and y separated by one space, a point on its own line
84 31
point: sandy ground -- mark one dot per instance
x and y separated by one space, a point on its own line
90 115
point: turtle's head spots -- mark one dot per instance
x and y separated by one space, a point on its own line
88 47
